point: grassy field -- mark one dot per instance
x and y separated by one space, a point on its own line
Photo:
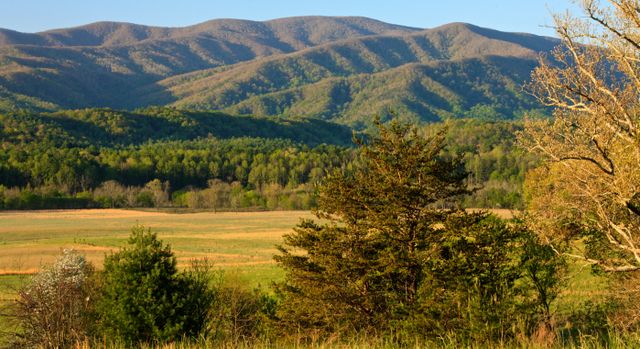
241 243
243 240
232 240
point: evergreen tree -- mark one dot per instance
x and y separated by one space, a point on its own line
145 298
394 254
364 267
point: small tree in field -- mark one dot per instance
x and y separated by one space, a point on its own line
53 309
145 298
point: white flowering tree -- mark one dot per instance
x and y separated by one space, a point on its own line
51 309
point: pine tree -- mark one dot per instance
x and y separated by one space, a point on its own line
363 268
145 298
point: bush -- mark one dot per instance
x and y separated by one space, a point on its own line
53 309
242 315
145 298
489 280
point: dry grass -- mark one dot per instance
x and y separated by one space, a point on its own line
500 212
31 239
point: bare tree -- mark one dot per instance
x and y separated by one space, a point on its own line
589 190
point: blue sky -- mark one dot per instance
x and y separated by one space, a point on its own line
509 15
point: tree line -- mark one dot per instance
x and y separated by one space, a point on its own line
98 158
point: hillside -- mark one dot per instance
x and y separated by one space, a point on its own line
338 68
97 64
107 127
288 34
449 71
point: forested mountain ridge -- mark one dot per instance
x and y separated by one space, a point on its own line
293 33
451 71
328 67
114 128
99 64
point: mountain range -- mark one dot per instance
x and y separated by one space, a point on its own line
341 69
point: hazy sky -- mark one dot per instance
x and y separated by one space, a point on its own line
508 15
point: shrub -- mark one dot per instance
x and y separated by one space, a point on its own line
242 315
53 309
145 298
489 280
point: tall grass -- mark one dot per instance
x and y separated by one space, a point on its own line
612 340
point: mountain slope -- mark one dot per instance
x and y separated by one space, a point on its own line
97 64
113 128
338 68
293 33
447 71
486 88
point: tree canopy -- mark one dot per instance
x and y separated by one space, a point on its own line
589 187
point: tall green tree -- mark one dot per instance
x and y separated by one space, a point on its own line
365 266
393 253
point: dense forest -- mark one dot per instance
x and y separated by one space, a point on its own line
163 157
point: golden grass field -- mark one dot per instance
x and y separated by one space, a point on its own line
242 243
31 239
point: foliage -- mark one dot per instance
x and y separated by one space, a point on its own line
144 298
99 158
242 315
108 127
588 189
62 166
496 166
365 267
392 257
488 280
54 309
